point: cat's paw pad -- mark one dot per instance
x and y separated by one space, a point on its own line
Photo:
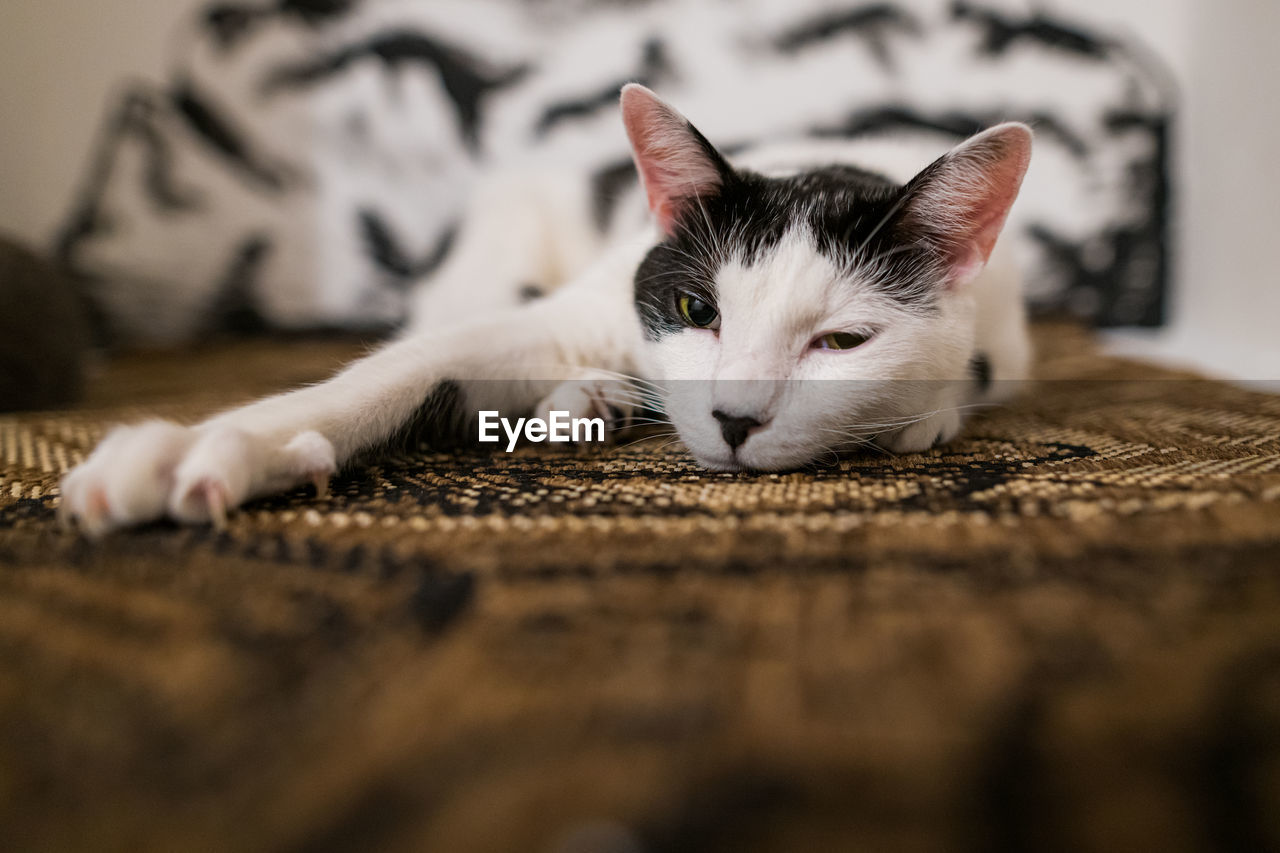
924 434
610 400
126 480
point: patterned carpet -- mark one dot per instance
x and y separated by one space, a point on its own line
1060 632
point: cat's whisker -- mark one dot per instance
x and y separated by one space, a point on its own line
638 409
668 437
576 372
601 372
672 438
657 436
623 387
856 443
908 421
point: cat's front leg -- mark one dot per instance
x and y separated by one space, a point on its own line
196 474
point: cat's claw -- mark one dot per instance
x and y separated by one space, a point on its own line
215 501
97 513
126 480
321 482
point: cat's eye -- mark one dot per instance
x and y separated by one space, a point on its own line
697 312
841 340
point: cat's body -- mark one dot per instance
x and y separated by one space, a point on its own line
808 299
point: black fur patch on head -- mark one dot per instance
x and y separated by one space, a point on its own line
853 215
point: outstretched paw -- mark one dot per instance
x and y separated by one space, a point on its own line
192 475
127 479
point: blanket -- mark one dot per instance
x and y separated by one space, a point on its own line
1061 631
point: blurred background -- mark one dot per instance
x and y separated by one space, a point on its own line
1162 235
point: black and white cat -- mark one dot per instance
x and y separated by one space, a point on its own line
809 296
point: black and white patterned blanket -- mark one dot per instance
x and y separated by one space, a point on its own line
306 162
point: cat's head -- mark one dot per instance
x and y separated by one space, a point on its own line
788 316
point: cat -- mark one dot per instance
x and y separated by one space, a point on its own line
778 306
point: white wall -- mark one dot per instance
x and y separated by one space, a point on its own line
1228 302
1163 24
59 62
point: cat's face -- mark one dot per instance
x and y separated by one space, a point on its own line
793 317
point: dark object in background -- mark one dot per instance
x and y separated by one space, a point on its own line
44 334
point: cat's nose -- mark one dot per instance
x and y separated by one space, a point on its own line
735 428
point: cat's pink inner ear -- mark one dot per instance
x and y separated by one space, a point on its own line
675 163
970 195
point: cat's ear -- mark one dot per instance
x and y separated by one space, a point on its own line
678 167
963 199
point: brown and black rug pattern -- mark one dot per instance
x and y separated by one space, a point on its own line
1060 632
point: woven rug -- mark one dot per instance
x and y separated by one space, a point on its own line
1060 632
